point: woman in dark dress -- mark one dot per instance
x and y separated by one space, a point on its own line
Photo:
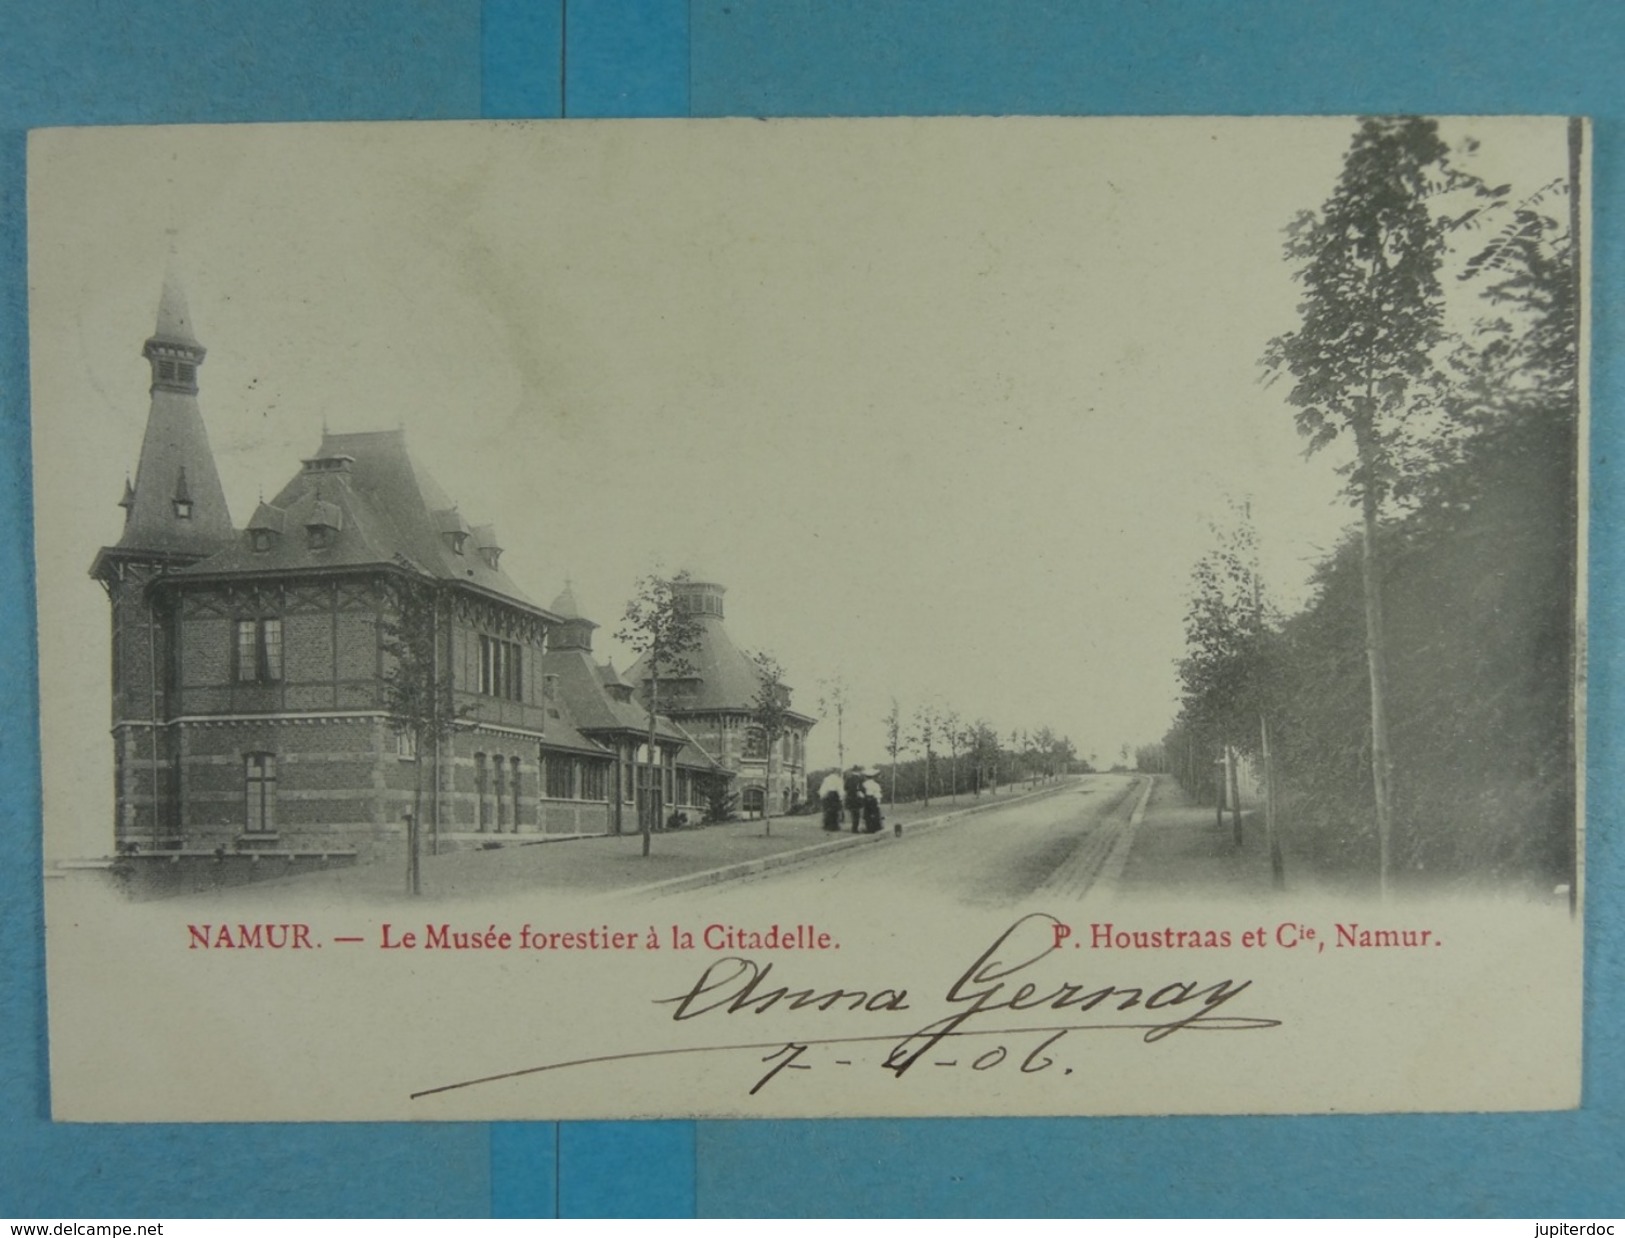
829 795
871 805
854 796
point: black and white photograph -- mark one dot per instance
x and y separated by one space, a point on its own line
811 617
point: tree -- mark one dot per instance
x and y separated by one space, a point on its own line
770 710
927 730
953 733
983 749
1372 317
1044 752
893 723
832 702
417 698
1026 767
660 629
1066 754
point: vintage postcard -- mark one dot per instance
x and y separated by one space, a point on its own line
811 618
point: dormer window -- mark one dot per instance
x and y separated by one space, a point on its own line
453 529
485 541
323 524
182 501
265 528
329 464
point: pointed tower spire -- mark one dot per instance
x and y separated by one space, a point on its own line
575 632
173 350
177 505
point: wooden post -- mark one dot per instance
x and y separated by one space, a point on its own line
1271 826
413 884
1231 763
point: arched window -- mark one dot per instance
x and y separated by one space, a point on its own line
755 744
752 800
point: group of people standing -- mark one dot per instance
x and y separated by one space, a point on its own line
858 792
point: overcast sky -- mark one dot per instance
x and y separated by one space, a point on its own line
946 404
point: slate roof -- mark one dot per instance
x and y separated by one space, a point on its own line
176 461
599 701
382 507
174 315
721 676
561 730
565 607
591 705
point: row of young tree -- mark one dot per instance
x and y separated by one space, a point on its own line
1415 721
934 751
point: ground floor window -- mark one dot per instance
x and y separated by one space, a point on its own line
482 792
259 775
560 778
498 783
594 781
752 800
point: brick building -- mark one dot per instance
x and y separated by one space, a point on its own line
251 668
601 709
716 704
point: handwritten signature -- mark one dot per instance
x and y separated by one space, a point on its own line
736 985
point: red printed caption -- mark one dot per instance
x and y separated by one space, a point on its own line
525 938
1284 935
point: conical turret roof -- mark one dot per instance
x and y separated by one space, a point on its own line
178 505
174 317
722 676
565 605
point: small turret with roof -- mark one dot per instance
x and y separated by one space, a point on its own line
715 701
176 506
575 632
720 675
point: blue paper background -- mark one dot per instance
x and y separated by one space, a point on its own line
163 61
